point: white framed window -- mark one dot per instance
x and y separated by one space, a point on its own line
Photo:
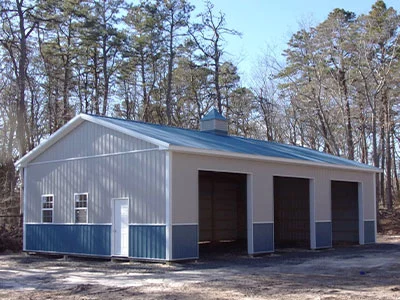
81 207
47 208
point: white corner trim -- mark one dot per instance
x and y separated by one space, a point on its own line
25 184
313 236
374 204
360 202
218 153
168 203
250 213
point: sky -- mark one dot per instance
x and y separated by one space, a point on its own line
269 24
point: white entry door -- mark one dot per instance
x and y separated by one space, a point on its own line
121 227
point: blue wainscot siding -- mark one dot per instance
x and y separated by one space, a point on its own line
185 242
69 239
263 237
147 241
369 232
323 232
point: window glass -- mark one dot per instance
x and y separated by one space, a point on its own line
81 201
47 208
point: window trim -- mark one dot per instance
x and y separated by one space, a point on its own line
43 209
81 208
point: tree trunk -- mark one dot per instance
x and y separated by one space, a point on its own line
168 101
21 81
146 116
394 161
67 71
105 66
96 84
216 75
345 97
382 153
388 155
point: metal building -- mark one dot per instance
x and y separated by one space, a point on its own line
115 188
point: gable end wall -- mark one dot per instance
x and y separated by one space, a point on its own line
90 139
138 176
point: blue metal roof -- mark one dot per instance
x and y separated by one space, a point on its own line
209 141
213 114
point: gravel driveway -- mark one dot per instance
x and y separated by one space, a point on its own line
359 272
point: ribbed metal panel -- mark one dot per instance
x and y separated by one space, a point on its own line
323 234
90 139
185 241
369 232
263 237
147 241
204 140
74 239
137 176
185 177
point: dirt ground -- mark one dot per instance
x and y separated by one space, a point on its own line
358 272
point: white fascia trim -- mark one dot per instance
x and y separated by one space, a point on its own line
52 139
268 159
129 132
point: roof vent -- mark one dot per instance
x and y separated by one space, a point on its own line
215 123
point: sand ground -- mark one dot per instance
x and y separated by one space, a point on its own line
357 272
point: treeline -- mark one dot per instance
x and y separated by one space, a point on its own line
154 60
340 87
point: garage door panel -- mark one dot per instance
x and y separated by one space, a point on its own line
292 212
222 209
345 214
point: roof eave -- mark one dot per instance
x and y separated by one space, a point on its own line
219 153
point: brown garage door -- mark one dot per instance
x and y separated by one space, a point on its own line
222 206
344 197
291 212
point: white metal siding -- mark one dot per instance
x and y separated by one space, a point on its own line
214 124
207 125
139 176
185 185
221 125
90 139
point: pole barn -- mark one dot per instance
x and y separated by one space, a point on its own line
109 187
